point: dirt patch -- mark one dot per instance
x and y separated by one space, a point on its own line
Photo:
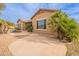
5 40
26 48
72 49
35 44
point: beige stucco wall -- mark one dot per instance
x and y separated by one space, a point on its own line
22 25
40 16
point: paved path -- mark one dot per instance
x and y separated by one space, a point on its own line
36 45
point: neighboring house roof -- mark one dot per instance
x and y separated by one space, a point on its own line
24 20
51 10
21 20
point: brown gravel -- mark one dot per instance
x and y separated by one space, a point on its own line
5 40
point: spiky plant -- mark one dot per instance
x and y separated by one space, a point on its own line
65 27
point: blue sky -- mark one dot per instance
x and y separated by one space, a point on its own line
12 12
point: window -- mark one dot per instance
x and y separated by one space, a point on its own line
41 24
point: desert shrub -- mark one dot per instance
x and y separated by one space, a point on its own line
29 27
65 27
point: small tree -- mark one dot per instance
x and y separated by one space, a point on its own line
65 27
8 24
29 27
5 25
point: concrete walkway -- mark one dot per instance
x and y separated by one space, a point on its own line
36 45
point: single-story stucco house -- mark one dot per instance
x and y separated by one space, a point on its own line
39 20
21 23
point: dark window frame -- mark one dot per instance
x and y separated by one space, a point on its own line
39 25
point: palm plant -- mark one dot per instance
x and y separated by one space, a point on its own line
65 27
9 25
2 22
5 25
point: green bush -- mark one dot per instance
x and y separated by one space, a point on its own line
29 27
65 27
17 28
